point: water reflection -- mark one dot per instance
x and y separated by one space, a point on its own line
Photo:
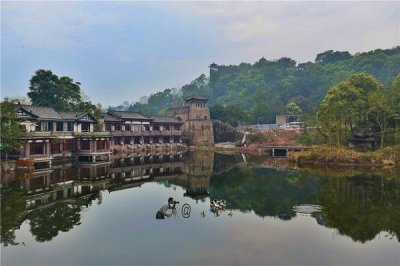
357 204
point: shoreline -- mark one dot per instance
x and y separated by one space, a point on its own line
343 156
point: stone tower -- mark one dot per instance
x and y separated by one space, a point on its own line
213 72
197 127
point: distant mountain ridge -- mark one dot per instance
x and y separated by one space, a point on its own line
250 92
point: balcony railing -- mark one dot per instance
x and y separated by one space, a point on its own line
61 134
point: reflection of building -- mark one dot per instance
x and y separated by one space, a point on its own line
80 183
197 127
196 174
128 172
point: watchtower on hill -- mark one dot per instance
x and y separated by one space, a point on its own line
214 68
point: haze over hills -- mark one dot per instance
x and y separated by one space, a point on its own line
248 92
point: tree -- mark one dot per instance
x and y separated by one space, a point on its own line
395 103
395 97
11 131
380 110
48 90
292 109
340 110
197 86
97 113
46 223
13 213
331 57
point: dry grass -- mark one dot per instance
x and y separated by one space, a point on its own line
343 155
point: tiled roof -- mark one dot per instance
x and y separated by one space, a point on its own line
164 119
196 96
76 115
71 115
42 112
128 115
178 108
110 118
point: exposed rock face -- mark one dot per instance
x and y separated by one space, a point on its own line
363 138
225 133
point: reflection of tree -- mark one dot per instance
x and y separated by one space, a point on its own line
265 191
362 206
12 215
46 223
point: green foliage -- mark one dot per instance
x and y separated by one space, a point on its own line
380 110
329 57
228 114
11 132
346 105
262 89
158 103
292 108
97 113
306 139
197 86
13 210
48 222
62 93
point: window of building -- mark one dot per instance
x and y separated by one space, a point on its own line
101 171
85 127
156 127
48 126
60 126
177 128
85 145
38 182
56 147
38 126
70 145
70 126
37 148
167 128
85 172
21 112
146 128
101 145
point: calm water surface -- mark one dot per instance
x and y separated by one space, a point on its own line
104 214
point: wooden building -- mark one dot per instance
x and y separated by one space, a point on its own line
55 134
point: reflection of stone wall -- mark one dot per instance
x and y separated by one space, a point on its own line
199 163
196 173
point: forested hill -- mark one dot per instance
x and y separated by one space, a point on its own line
256 92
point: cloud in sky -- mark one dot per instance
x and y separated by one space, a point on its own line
137 48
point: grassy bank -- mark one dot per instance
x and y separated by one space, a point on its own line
389 156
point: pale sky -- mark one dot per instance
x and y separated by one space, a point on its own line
124 50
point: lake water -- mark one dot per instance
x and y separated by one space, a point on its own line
104 214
